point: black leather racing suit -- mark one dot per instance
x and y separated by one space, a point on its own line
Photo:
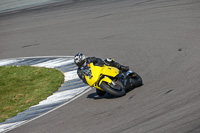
97 62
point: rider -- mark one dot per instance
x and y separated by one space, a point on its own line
82 62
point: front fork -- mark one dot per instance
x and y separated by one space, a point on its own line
105 79
122 78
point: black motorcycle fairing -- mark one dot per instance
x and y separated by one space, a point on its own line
122 78
128 80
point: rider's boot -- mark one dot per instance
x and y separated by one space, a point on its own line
111 62
121 67
124 68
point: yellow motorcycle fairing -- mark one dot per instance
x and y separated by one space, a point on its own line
96 74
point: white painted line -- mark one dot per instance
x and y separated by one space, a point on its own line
54 63
59 96
9 126
5 62
38 57
71 75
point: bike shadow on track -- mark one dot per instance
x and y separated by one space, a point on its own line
106 96
96 97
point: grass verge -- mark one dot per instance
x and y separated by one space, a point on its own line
25 86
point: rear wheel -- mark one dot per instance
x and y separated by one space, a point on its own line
116 90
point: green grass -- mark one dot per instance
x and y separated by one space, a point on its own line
25 86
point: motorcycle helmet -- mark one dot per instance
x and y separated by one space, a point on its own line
79 59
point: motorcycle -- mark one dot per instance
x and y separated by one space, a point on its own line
111 80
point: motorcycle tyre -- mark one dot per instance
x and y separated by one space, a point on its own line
100 93
137 80
111 91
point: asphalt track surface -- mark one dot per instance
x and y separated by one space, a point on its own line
159 39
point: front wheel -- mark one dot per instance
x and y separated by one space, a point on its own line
117 90
136 80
